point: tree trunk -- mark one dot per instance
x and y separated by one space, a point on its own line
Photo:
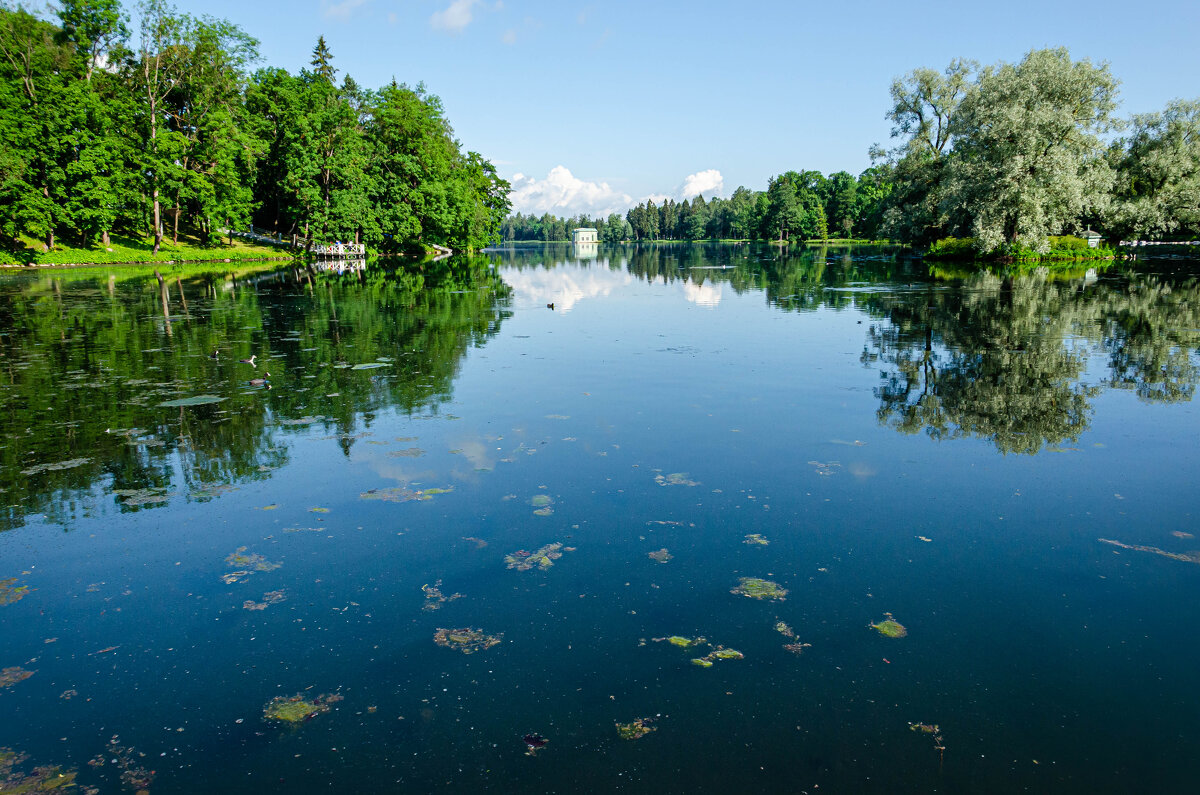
157 221
104 238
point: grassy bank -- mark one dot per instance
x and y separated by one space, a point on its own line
132 250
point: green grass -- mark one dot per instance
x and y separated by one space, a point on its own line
125 249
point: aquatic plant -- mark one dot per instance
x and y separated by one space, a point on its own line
675 479
434 598
784 629
40 779
10 676
935 732
756 588
401 494
543 558
756 539
269 598
660 555
10 592
703 662
297 709
890 627
253 561
1186 557
635 730
466 640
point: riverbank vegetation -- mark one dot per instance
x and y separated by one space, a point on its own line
166 133
1007 162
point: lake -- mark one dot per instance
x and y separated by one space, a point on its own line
676 518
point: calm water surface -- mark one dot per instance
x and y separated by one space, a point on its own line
1007 468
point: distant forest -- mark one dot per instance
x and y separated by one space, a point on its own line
166 131
1001 158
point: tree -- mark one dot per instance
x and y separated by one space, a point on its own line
1027 153
1158 174
322 61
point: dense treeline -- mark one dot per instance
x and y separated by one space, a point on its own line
168 132
1004 157
796 205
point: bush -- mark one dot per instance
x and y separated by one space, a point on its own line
1067 243
960 248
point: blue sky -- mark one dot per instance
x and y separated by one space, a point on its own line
589 106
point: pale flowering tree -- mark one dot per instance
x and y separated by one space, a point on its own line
1157 188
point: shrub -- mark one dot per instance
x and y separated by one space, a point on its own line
961 248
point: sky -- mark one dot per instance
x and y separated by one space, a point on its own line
590 107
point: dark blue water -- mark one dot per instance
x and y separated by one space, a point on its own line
949 451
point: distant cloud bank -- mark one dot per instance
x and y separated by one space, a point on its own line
561 193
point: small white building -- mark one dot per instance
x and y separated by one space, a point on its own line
1092 237
584 234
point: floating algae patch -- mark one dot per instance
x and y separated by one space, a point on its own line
703 662
135 497
11 592
756 588
408 452
269 598
675 479
197 400
543 558
466 640
57 465
10 676
681 641
402 494
542 504
890 627
252 561
292 710
636 729
935 734
783 629
43 778
756 539
719 653
1186 557
660 555
434 598
797 648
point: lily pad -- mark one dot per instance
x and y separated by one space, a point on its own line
466 640
756 588
197 400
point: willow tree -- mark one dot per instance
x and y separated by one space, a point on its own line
1158 174
1028 160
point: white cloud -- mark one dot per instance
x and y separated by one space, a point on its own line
563 194
509 37
454 18
710 182
705 295
565 286
341 10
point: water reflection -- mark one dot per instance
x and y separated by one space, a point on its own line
89 362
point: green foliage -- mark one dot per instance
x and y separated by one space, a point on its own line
173 137
954 248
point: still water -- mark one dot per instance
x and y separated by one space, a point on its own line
562 465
